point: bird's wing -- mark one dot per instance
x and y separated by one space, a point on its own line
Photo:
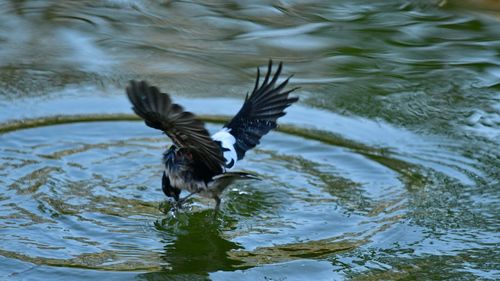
260 111
185 130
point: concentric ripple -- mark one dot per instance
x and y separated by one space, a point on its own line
88 195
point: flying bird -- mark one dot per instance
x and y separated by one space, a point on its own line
200 163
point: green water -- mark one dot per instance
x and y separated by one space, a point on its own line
387 169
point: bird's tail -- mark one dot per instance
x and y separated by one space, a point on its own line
220 182
232 176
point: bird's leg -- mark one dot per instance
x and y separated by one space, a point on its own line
217 207
217 203
181 200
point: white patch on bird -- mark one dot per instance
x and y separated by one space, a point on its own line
227 141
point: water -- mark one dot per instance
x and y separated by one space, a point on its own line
390 169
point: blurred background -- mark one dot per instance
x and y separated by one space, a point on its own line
391 171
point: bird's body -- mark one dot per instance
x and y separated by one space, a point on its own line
200 163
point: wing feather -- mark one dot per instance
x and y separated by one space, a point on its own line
185 130
261 109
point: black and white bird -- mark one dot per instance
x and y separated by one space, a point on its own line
200 163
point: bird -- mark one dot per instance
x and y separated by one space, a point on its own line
196 161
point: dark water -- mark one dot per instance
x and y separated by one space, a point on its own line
400 182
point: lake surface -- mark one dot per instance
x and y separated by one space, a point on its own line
388 167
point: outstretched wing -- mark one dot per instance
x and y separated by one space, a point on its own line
185 130
260 111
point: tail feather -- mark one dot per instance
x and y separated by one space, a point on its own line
237 176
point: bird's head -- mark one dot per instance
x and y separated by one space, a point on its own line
176 157
169 155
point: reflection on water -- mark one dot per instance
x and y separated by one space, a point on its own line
390 170
200 235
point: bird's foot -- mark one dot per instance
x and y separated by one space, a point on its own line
180 201
169 207
178 204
